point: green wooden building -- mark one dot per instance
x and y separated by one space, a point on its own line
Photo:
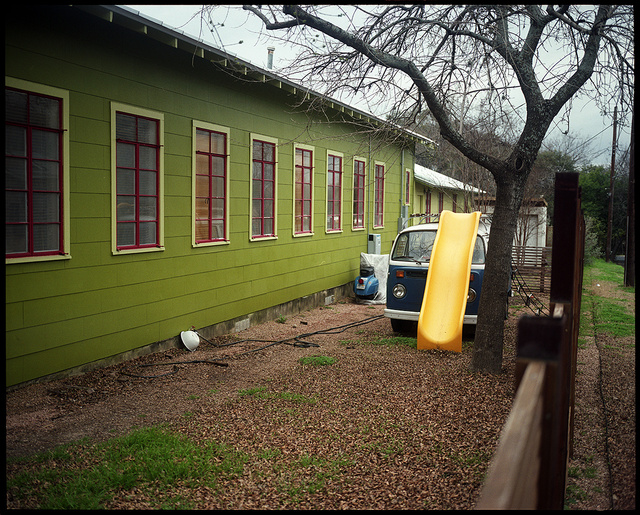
154 183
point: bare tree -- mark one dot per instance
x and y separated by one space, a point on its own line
522 63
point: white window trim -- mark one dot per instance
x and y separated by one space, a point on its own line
66 194
268 139
312 149
384 192
138 111
218 128
326 194
364 203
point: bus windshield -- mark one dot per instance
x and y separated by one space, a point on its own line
417 245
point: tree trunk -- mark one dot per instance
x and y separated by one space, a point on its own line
488 345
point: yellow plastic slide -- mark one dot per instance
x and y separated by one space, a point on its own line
445 294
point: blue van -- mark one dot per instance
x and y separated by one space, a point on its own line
407 275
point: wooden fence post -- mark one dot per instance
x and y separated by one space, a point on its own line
550 342
541 339
566 274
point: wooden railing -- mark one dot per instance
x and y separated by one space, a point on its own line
528 470
534 265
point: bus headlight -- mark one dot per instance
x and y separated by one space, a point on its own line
471 296
399 291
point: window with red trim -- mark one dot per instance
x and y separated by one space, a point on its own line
358 194
303 190
263 189
33 174
137 181
378 217
211 186
334 193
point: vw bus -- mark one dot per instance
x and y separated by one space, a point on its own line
407 275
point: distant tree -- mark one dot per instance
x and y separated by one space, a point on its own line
522 63
592 249
594 183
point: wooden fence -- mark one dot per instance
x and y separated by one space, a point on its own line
534 265
528 470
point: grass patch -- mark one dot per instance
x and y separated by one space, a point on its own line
400 341
317 361
610 272
152 460
294 397
609 315
394 341
252 392
612 318
574 494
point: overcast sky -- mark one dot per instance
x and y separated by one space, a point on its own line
586 122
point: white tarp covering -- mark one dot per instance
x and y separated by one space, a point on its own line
380 264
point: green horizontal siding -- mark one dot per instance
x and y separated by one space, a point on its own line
62 314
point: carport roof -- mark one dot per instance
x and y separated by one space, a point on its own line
434 179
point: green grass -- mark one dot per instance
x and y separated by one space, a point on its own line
610 272
317 361
394 341
156 465
612 318
406 341
610 315
153 460
573 494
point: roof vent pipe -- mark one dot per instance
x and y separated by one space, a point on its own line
270 51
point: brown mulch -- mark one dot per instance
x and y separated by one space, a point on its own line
401 428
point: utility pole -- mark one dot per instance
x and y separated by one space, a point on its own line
607 256
630 254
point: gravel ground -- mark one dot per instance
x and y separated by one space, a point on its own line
385 426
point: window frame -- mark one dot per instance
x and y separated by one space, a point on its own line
303 148
359 202
224 240
335 155
272 141
159 117
64 248
378 194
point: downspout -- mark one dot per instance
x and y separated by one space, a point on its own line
402 176
371 208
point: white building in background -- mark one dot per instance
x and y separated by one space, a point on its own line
532 222
434 192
